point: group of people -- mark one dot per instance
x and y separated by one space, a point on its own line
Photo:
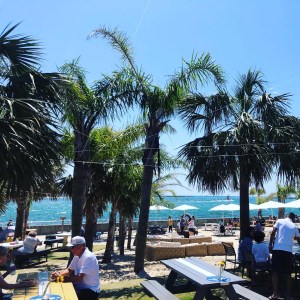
280 245
83 270
185 221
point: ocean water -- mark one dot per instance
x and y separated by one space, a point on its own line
48 212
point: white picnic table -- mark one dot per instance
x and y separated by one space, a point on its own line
210 226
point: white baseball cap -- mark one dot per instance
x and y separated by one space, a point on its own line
76 240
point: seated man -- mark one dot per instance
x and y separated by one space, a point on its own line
30 243
83 271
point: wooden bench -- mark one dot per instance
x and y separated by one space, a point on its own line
52 239
29 259
158 291
248 294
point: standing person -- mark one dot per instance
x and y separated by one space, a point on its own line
170 224
258 226
6 285
83 270
182 224
10 223
281 243
192 226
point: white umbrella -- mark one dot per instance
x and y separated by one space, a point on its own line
225 207
270 204
158 207
185 207
293 204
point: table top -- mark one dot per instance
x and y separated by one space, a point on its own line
198 271
65 289
12 245
64 234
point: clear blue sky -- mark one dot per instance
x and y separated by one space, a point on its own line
238 35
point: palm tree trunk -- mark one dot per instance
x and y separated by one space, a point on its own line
21 205
122 232
130 225
144 217
81 178
111 233
244 199
91 223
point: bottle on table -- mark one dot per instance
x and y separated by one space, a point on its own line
12 268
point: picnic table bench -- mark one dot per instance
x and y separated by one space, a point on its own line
52 239
29 259
157 290
248 294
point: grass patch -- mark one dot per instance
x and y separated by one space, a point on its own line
131 289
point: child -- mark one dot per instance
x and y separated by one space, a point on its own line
260 250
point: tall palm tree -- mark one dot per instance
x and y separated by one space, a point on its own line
158 105
245 138
83 108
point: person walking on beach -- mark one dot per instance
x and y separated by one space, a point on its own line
170 224
83 270
281 243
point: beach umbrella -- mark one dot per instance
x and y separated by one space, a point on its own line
270 204
158 207
293 204
185 207
224 207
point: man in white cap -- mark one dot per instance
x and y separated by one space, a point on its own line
83 271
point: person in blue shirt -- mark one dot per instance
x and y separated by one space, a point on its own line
245 243
260 250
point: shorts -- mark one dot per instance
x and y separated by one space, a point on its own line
282 262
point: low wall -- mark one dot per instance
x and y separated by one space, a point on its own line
103 227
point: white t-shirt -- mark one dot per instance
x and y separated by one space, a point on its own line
29 244
86 264
286 231
192 224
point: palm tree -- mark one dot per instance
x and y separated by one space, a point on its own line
158 106
29 144
245 138
83 108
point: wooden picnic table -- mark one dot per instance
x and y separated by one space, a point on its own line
200 274
64 289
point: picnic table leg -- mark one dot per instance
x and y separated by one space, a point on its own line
201 293
171 280
230 292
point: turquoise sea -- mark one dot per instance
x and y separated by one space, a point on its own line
47 211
